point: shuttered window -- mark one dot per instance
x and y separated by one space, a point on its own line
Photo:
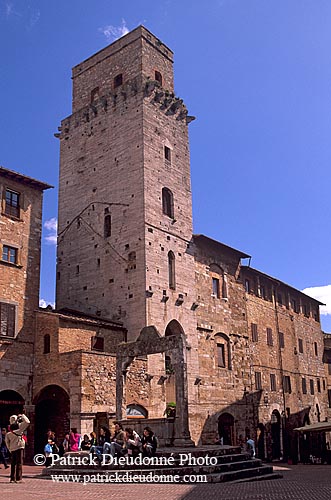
255 336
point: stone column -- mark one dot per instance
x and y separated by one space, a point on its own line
29 411
182 431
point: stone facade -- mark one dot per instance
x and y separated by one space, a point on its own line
148 313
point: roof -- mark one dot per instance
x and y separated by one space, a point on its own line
15 176
279 282
78 316
319 426
209 241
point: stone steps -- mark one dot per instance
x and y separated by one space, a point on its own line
231 466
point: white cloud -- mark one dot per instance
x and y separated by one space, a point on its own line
34 18
44 303
112 33
51 226
323 294
9 9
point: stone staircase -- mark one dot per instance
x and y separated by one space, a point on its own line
225 464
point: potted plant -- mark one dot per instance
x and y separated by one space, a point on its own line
170 410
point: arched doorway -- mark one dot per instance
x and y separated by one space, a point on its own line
52 413
11 403
275 435
226 428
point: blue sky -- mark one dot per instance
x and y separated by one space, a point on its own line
255 73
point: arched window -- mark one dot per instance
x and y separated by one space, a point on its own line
47 344
223 352
158 77
171 267
167 202
107 226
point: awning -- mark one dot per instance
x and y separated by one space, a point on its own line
320 426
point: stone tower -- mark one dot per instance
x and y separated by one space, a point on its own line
125 215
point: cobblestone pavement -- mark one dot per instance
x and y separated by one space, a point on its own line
300 482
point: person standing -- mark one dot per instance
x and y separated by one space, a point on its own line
16 444
2 450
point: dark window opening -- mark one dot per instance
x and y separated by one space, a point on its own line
258 381
287 384
263 292
329 397
272 382
77 269
9 254
281 340
216 287
329 368
221 355
312 388
167 153
301 346
47 344
158 77
269 337
107 226
12 203
7 319
315 348
304 386
171 269
247 286
280 299
97 343
318 385
255 335
167 202
118 80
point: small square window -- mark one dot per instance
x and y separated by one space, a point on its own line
9 254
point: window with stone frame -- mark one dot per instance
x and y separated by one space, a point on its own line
223 351
318 383
171 270
12 203
7 319
273 386
220 355
304 386
167 154
258 381
9 254
281 340
315 349
300 345
167 202
269 337
216 287
255 335
287 384
312 387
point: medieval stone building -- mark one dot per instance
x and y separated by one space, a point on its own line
146 312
